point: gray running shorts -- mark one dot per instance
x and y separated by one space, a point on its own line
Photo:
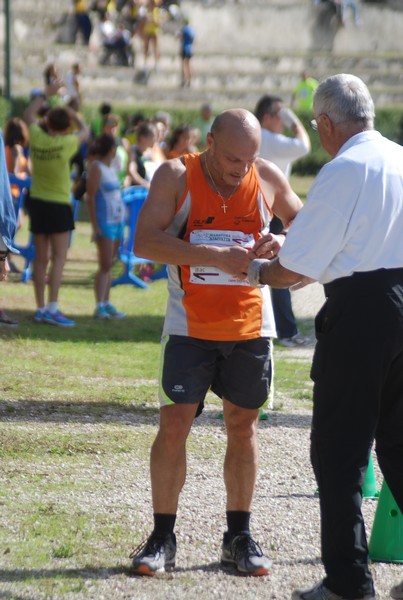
239 371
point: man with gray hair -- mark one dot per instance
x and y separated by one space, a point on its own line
348 236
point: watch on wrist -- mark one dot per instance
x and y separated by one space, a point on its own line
4 255
254 269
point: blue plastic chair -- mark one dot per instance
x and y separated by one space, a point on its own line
28 251
134 198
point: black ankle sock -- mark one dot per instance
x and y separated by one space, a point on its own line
237 521
164 523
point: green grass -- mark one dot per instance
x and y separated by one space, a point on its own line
78 413
301 184
94 363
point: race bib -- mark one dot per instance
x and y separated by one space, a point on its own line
115 207
214 237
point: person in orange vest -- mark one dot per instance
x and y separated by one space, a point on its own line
203 217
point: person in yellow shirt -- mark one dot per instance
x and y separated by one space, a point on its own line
302 96
151 30
52 146
83 19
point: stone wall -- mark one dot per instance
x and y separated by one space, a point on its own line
293 26
243 48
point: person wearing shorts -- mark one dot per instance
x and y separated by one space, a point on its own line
106 211
203 217
186 37
52 145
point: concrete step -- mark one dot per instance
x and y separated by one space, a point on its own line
274 72
243 48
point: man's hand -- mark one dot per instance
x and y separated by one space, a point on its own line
288 117
234 260
268 246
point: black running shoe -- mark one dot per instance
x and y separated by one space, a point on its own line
155 555
243 553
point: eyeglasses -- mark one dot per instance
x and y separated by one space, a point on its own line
315 122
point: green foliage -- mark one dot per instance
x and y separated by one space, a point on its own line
389 121
4 111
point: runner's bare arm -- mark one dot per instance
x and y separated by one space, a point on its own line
278 192
153 242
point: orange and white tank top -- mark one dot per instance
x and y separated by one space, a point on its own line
204 302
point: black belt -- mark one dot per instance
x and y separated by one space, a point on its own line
365 282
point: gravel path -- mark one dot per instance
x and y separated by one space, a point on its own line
285 517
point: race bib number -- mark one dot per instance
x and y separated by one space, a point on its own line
115 207
213 237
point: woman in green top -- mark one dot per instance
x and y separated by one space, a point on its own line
53 142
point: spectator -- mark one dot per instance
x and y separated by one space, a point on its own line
16 140
180 142
135 121
163 121
83 20
349 6
54 89
73 91
150 31
282 150
51 218
186 37
134 14
8 227
302 95
203 124
162 125
138 172
106 212
116 42
120 161
104 110
107 27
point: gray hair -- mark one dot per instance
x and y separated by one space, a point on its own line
345 97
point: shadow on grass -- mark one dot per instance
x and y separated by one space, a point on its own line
139 328
87 572
128 414
77 412
103 573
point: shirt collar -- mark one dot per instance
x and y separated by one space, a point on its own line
359 138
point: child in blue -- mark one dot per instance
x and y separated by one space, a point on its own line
186 37
106 212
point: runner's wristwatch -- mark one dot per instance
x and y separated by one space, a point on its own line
254 271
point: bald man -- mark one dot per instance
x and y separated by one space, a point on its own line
203 216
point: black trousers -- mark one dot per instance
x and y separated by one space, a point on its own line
357 371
